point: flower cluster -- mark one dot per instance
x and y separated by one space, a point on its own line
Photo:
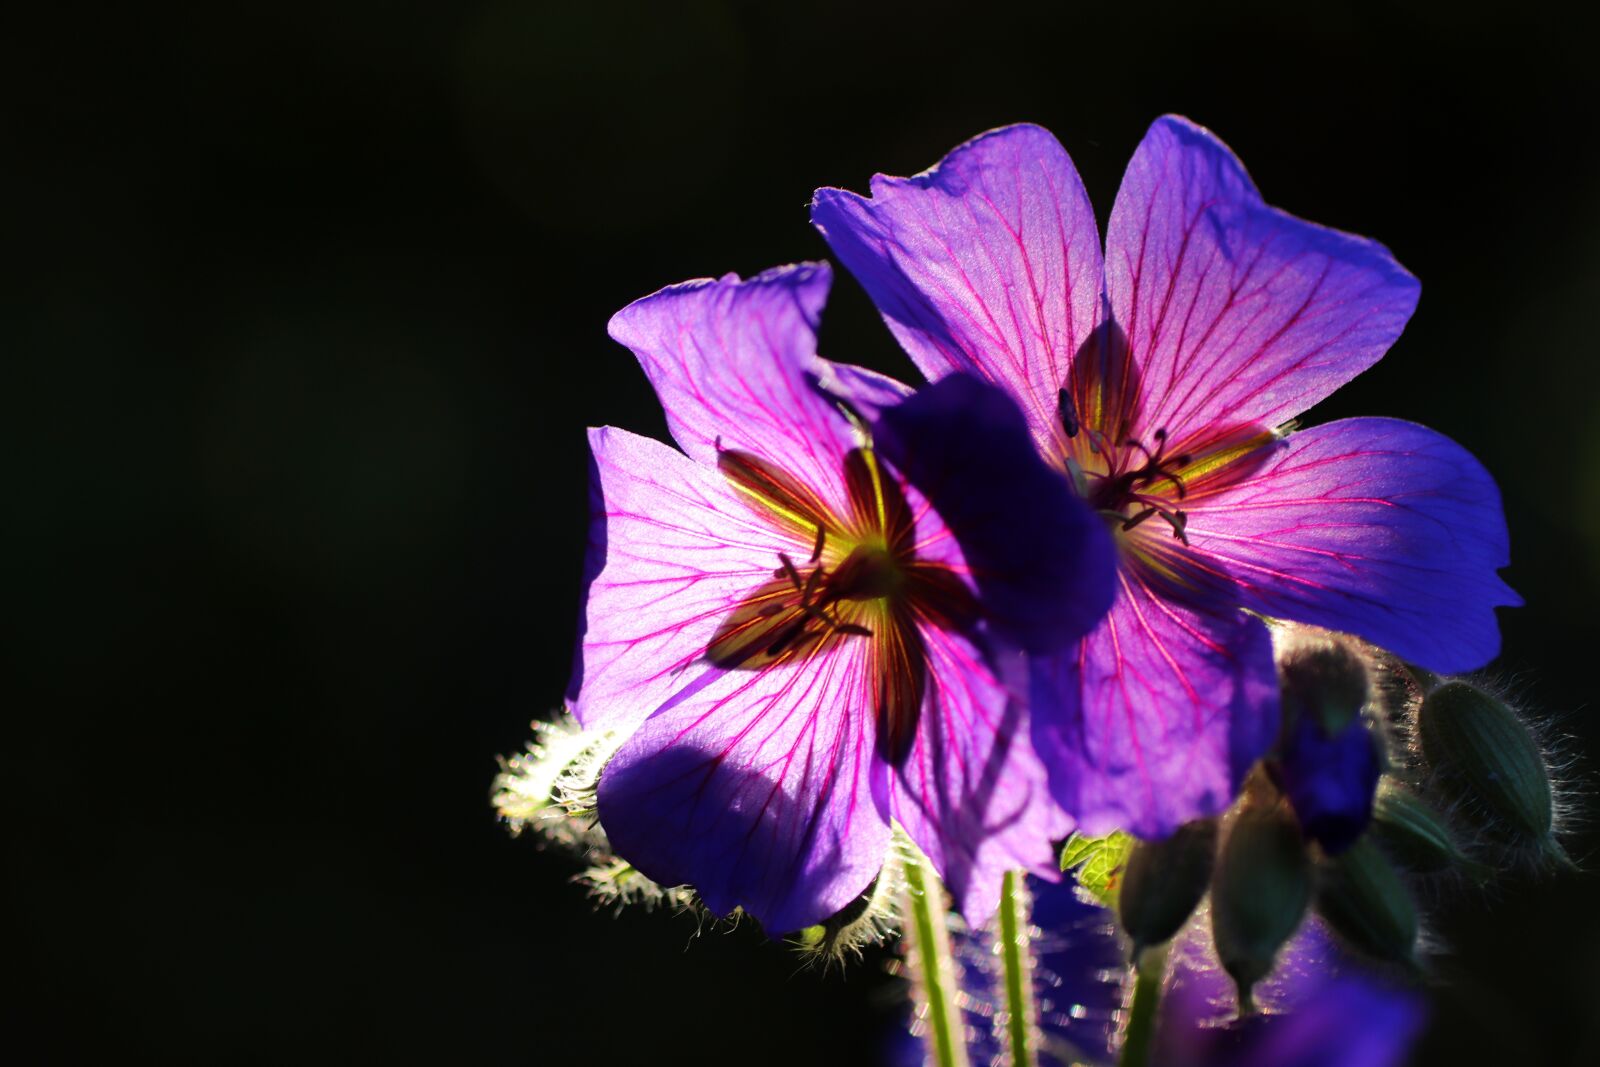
1090 577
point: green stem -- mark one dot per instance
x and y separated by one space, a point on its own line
1138 1034
935 966
1017 963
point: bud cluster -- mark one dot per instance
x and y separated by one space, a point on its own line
1384 779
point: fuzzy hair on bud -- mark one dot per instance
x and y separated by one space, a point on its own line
1481 754
870 919
1323 675
1416 836
615 883
549 787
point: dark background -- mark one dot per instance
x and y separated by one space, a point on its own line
303 317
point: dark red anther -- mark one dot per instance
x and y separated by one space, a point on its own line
1067 412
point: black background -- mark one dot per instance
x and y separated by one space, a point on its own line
304 312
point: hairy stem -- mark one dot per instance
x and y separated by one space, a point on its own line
934 966
1138 1032
1018 964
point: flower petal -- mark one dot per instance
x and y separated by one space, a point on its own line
972 793
1155 718
1043 562
731 360
672 552
1375 527
1236 312
755 788
987 263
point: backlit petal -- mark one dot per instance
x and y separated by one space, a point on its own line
732 362
1235 312
755 788
672 553
972 793
1154 719
989 262
1376 527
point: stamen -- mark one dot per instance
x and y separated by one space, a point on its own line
1067 412
1129 524
822 538
1180 523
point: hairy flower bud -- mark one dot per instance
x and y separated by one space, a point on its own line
1489 758
550 786
1415 836
1163 881
1322 675
1364 900
1259 894
1329 761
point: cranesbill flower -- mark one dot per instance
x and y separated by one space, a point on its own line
793 640
1159 380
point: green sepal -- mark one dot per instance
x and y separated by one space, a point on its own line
1488 756
1417 837
1163 882
1259 892
1365 901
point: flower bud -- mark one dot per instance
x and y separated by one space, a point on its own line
1324 677
1485 754
1163 881
1259 894
1363 899
550 786
1330 780
1328 759
1415 836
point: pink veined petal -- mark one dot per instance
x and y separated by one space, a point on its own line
1377 527
1155 718
866 392
989 263
755 787
732 361
1235 312
672 552
972 793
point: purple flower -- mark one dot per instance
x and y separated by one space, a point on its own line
1158 380
789 636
